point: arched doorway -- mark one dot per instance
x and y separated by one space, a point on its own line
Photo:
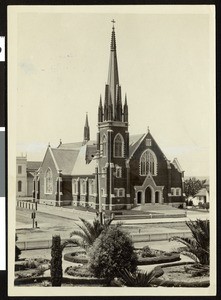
148 195
139 197
157 196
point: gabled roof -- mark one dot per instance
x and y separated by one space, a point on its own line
202 192
81 167
177 165
65 159
135 141
33 165
76 145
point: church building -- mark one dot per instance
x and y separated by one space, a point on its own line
117 170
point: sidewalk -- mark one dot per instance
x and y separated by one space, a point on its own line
73 214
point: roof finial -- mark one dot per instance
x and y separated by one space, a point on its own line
148 129
113 21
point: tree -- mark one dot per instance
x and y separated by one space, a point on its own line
192 186
56 261
89 232
112 252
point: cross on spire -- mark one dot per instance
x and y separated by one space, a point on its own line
113 21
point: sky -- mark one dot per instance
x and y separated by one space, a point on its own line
60 62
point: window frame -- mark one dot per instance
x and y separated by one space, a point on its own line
48 180
19 186
148 158
120 146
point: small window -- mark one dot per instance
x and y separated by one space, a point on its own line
19 186
178 192
148 142
118 172
172 191
115 192
121 193
19 169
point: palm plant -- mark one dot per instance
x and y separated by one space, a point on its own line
138 279
197 247
88 233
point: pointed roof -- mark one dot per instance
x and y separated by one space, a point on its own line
65 159
113 77
86 121
81 167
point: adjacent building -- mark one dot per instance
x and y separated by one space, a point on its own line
25 171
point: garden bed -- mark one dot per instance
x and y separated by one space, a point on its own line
77 256
176 276
66 281
147 256
31 268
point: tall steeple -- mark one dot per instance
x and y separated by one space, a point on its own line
112 102
86 131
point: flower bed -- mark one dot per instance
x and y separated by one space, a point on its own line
46 281
176 276
147 256
31 268
79 271
76 257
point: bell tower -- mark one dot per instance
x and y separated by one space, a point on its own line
113 140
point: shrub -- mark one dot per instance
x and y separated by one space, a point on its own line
17 250
147 252
112 252
56 261
139 279
197 247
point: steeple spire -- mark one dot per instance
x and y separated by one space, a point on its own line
86 131
113 77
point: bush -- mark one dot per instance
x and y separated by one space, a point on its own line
111 253
140 279
56 261
147 252
17 250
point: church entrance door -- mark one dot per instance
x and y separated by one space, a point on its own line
139 197
157 197
148 195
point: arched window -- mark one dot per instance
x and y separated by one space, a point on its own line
75 186
148 163
48 181
83 187
92 187
104 145
19 186
118 145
